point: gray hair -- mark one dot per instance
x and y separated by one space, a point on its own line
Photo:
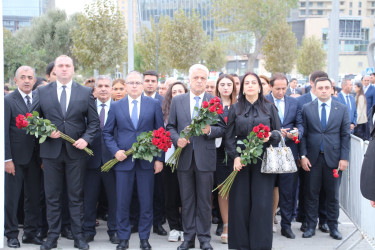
198 66
134 72
26 68
103 77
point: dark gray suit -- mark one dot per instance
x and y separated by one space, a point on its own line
195 170
297 91
336 144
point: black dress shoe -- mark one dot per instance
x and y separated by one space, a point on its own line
124 244
308 233
144 245
31 240
219 229
67 233
89 237
49 244
335 234
186 245
13 243
206 246
287 232
133 229
160 230
41 234
299 219
324 228
303 227
81 244
114 239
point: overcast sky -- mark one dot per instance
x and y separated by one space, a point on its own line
72 6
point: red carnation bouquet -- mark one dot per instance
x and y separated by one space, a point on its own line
34 125
148 145
252 152
207 115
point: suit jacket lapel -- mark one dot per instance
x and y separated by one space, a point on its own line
315 114
54 98
20 102
286 108
142 110
186 105
73 96
125 108
332 113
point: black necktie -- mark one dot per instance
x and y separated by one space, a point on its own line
28 103
63 101
102 116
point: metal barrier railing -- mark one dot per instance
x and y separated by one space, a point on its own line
357 208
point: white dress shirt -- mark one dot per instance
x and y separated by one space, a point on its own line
313 97
365 88
68 91
23 94
327 107
192 102
347 100
281 104
106 108
131 105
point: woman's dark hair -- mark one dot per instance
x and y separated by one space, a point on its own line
233 97
360 92
168 99
242 98
39 81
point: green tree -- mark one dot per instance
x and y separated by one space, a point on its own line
182 40
214 55
18 52
99 40
146 49
251 16
311 56
50 32
280 49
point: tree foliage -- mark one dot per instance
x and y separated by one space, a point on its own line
255 16
311 56
50 32
214 55
18 52
182 40
99 40
280 49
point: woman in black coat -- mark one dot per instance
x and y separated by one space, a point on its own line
250 198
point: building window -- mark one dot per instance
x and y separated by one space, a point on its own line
320 4
351 4
320 12
359 4
359 12
350 29
342 3
303 4
373 4
303 12
350 12
310 12
311 4
372 12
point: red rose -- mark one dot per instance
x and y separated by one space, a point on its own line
205 104
256 129
25 123
168 133
29 115
217 99
335 170
336 175
212 101
226 119
261 126
266 129
266 134
220 111
212 109
295 138
296 141
155 141
161 129
260 135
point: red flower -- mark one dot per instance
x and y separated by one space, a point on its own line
212 109
295 138
256 129
155 141
161 129
261 126
296 141
220 111
217 99
266 134
205 104
29 115
266 129
226 119
212 101
260 135
25 123
21 121
336 175
335 170
168 133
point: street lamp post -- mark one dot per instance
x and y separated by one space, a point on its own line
157 42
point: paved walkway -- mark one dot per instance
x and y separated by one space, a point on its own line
321 241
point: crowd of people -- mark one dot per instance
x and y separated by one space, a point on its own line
65 190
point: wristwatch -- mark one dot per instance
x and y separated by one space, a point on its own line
303 156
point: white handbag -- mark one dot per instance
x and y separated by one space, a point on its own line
278 160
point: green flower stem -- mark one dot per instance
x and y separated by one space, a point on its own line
226 185
71 140
109 164
173 160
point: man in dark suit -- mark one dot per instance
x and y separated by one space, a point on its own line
293 89
93 176
71 107
346 98
302 100
197 161
287 108
369 91
22 162
368 165
324 146
131 116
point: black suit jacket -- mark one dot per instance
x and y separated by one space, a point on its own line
81 120
336 136
18 145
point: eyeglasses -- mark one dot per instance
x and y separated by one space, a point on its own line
134 83
90 81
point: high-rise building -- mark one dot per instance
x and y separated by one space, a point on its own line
17 14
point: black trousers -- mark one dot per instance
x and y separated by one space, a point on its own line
172 199
29 176
321 177
57 172
93 179
250 209
287 191
196 191
158 205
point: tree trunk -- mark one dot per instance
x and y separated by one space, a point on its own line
253 56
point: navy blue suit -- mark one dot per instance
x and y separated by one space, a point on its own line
150 118
288 182
370 99
93 179
353 107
